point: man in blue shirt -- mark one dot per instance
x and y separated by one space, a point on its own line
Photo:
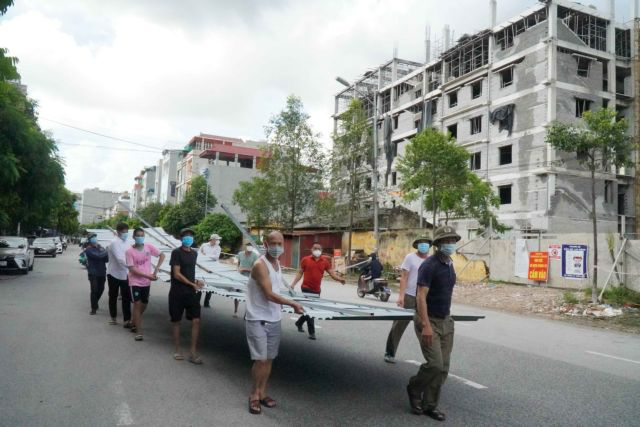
433 324
97 259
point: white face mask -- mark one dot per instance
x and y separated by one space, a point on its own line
275 251
316 253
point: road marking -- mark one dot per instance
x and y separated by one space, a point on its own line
461 379
123 411
613 357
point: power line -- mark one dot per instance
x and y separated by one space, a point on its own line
109 148
115 138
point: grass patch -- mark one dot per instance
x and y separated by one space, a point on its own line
570 298
617 296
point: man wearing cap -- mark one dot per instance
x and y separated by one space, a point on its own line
211 251
407 294
183 297
433 324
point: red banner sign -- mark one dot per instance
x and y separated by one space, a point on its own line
538 266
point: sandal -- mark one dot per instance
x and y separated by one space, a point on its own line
138 338
268 402
178 356
195 360
254 406
113 322
133 329
435 414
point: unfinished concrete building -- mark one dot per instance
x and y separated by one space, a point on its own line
496 91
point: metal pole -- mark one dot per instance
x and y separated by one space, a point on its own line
615 262
376 235
206 198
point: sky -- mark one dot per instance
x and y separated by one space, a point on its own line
157 72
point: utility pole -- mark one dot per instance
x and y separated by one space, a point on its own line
636 113
376 232
205 174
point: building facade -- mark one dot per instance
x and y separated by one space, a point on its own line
95 204
166 188
224 161
496 92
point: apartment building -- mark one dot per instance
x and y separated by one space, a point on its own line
496 91
95 204
224 161
167 176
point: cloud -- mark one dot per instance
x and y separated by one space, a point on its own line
159 72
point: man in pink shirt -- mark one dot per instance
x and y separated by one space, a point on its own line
141 273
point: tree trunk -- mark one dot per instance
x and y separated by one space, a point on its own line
433 208
594 285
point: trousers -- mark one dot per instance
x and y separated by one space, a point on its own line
398 327
97 288
117 286
311 325
432 374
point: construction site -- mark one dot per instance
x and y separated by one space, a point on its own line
496 92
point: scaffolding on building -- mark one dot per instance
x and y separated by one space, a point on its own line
623 42
592 30
505 36
469 54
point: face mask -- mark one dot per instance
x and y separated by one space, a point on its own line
275 251
139 240
316 252
248 249
124 236
448 248
423 248
93 240
187 241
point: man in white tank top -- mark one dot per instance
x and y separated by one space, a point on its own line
262 320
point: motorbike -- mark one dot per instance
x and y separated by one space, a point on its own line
376 287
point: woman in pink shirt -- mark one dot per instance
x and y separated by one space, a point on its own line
141 273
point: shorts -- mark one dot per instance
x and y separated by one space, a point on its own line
184 302
263 339
140 294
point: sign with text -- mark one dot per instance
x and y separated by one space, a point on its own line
555 252
574 261
538 266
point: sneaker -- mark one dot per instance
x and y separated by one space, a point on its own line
133 330
127 324
389 359
312 336
113 322
300 328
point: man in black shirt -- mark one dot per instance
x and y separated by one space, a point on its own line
433 324
183 296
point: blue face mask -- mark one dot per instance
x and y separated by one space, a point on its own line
93 240
139 240
423 248
124 236
448 248
187 241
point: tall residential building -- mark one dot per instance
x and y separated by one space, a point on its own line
148 185
496 91
227 161
166 189
95 203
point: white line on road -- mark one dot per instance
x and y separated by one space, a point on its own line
461 379
613 357
123 411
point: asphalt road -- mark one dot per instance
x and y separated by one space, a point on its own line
61 367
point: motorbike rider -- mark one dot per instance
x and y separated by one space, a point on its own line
373 269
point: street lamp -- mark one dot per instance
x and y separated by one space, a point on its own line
376 234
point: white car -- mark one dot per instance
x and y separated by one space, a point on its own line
15 254
58 242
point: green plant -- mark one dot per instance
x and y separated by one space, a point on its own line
570 298
621 296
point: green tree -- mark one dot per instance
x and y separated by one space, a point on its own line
172 220
191 211
435 164
221 224
152 213
65 216
294 163
255 199
351 170
599 142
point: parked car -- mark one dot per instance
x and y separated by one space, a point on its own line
58 243
15 254
44 246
